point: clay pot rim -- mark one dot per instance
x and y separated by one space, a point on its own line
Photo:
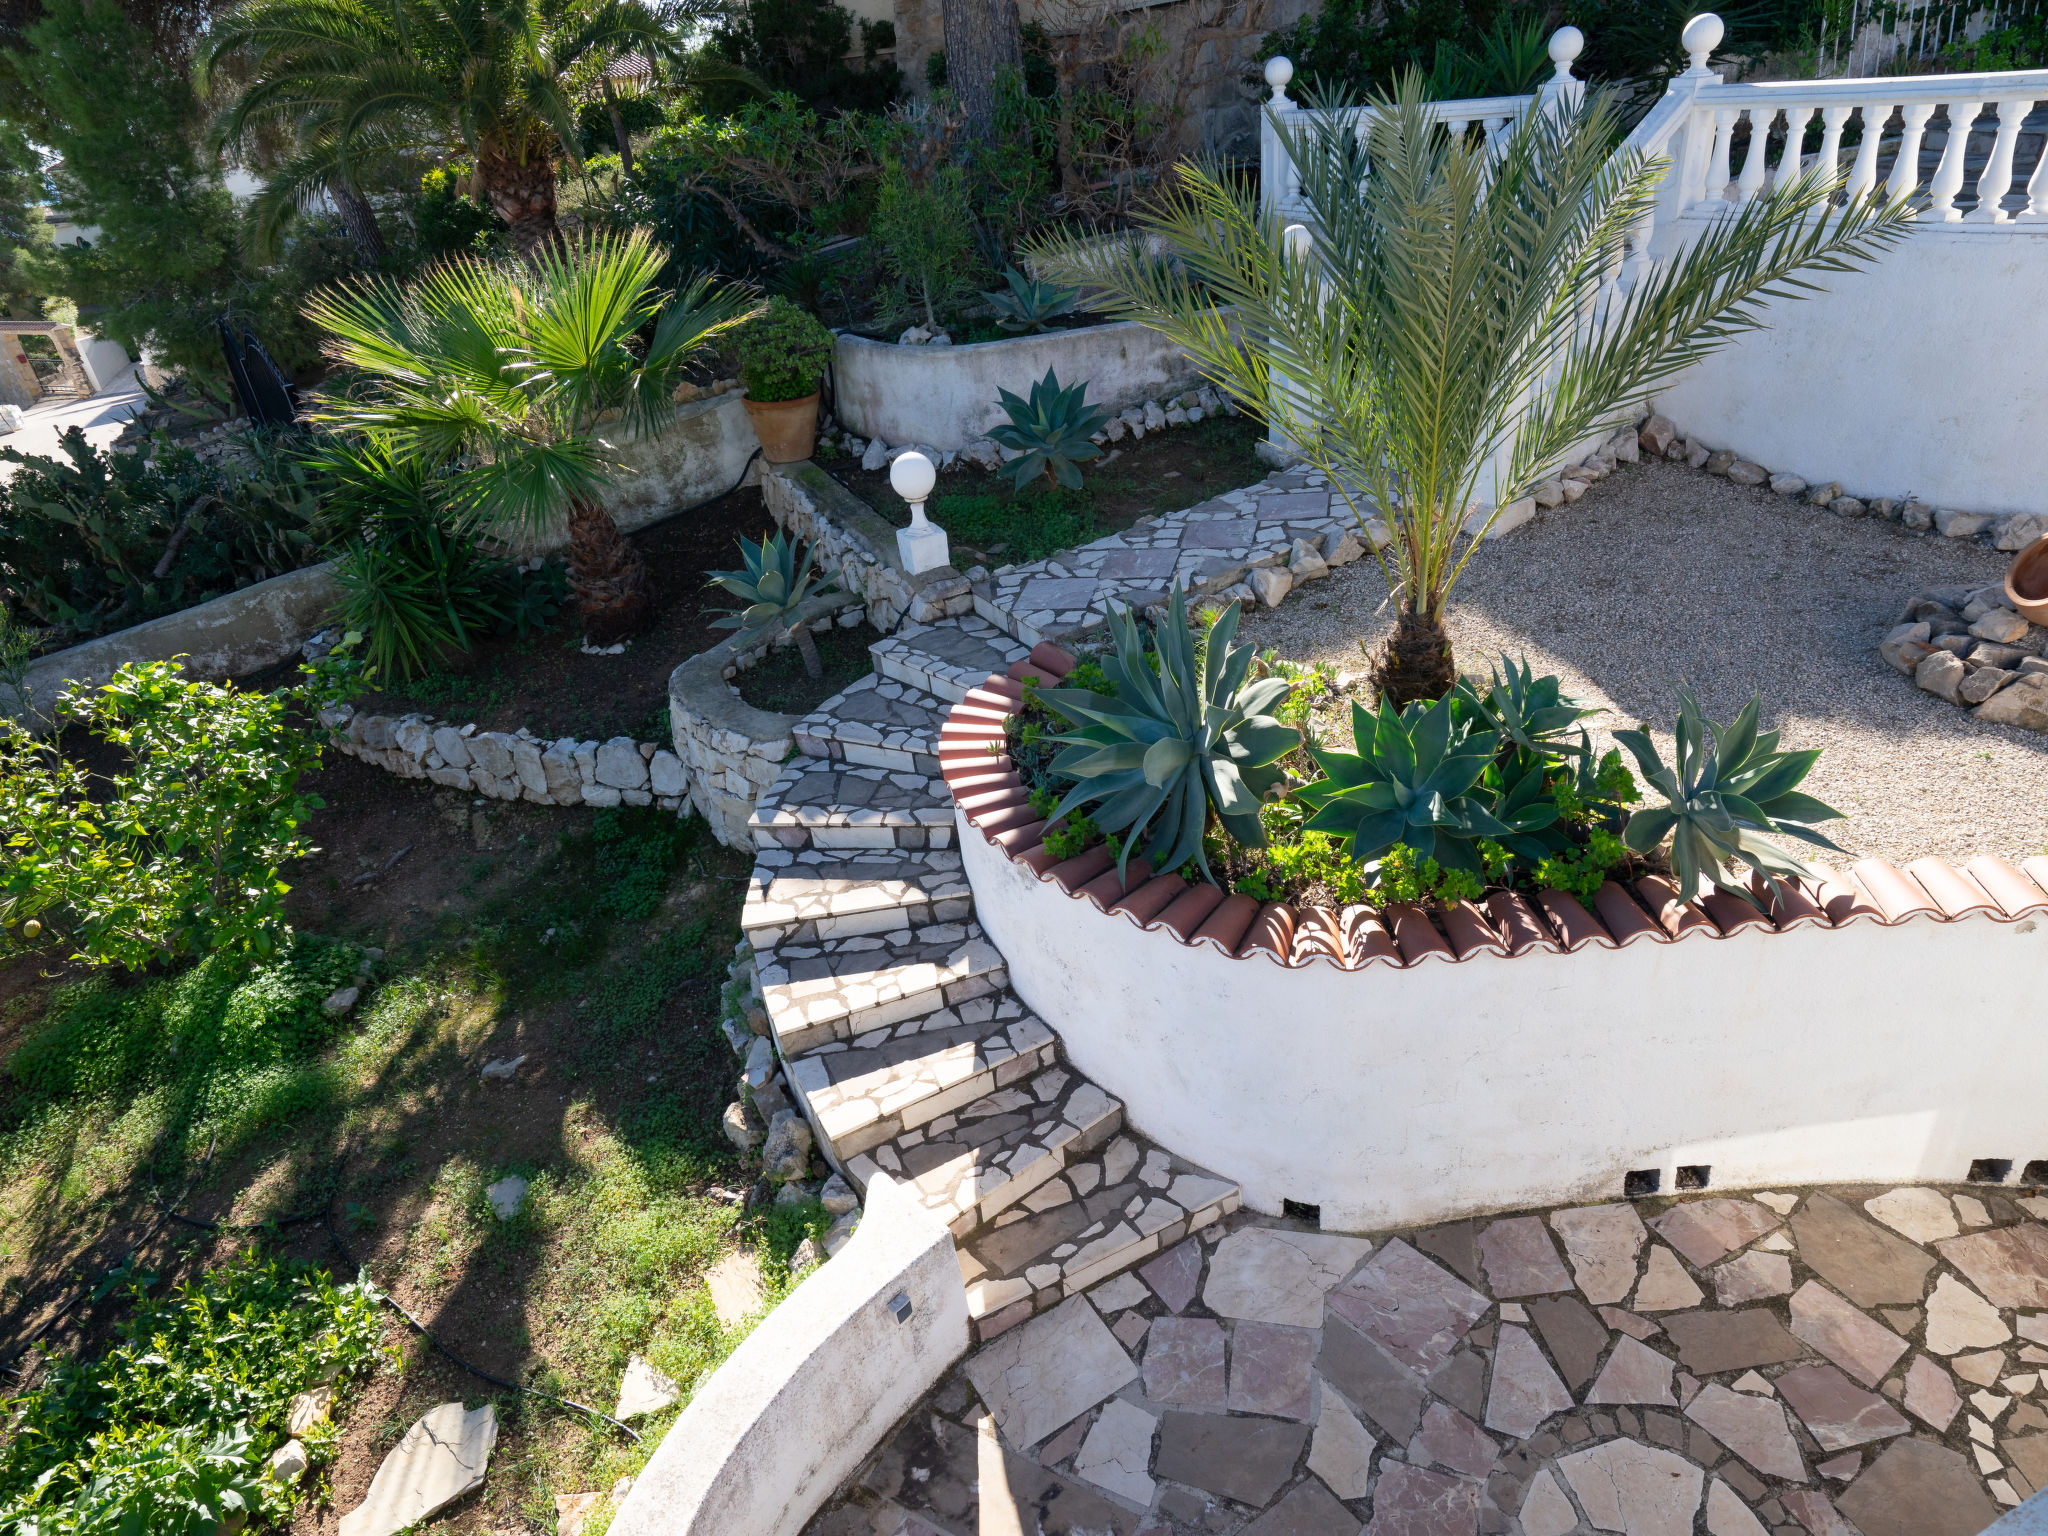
2033 562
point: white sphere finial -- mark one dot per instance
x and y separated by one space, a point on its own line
1566 44
913 477
1702 35
1279 71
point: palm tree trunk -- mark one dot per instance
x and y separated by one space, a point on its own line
607 576
1414 665
359 220
521 191
611 105
807 648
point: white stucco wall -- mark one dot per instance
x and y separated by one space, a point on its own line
701 454
1925 374
775 1430
945 397
1394 1098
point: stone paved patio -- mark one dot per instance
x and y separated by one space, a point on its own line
1803 1363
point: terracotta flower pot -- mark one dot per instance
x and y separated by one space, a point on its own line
788 429
2026 583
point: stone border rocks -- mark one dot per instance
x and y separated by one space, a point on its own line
1968 646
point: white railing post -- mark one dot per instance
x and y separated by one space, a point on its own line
1751 181
1948 176
1832 121
1296 244
1863 173
2036 211
1276 167
1562 91
1716 189
1906 169
1995 180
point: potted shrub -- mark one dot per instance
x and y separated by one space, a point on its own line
783 352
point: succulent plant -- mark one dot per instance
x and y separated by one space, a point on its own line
1051 431
1174 742
1727 788
778 576
1030 305
1531 713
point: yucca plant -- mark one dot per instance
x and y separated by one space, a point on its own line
1726 790
1028 304
1183 735
1454 306
778 575
1051 430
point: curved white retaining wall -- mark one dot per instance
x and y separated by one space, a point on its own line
1392 1098
945 397
773 1432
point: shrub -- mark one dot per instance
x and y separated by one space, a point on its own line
926 235
783 353
180 853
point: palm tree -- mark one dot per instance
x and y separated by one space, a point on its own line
353 83
503 373
1453 316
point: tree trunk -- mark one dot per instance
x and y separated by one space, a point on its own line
611 105
807 648
607 576
982 40
521 191
360 220
1415 663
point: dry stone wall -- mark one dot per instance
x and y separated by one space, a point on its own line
857 545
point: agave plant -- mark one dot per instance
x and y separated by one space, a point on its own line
1030 305
1531 713
1725 791
1415 781
1051 430
777 578
1174 742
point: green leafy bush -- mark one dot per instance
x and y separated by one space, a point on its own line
168 1432
924 227
783 353
1051 431
181 852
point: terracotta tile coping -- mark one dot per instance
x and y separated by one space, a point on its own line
992 798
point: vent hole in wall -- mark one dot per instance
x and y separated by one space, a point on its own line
2035 1172
1694 1175
1642 1183
1298 1210
1990 1170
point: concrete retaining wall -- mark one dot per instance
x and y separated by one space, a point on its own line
774 1431
945 397
1394 1098
701 454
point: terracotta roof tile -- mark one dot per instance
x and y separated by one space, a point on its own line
1898 898
1145 903
1679 919
1623 918
1038 860
1732 913
998 797
1794 904
1415 935
1050 659
1272 933
1020 671
1956 895
1845 902
1189 910
1318 936
1366 940
1469 931
1572 923
1228 924
1519 926
1082 867
2036 870
1015 840
2015 894
1109 887
968 782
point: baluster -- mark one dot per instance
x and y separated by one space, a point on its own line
1948 176
1752 180
1496 136
1996 178
1716 189
2036 211
1832 121
1863 174
1458 126
1790 160
1906 169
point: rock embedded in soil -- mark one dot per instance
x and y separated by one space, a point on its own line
786 1154
443 1456
1941 673
507 1196
645 1390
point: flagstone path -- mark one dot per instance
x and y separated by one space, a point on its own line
1800 1363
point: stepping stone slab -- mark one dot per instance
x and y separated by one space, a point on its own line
1341 1453
1272 1370
1712 1342
1126 1290
1918 1489
2029 1453
1545 1509
737 1287
1840 1413
1268 1276
1627 1322
1176 1275
1602 1242
1860 1345
1306 1511
1752 1276
1012 1493
1243 1459
1811 1509
1706 1230
1457 1244
1635 1373
1411 1501
1380 1387
1462 1383
1450 1440
644 1390
1959 1319
1521 1260
1184 1362
1636 1489
1574 1335
1727 1515
1047 1372
1414 1309
507 1196
438 1460
2009 1265
1117 1452
1666 1286
1867 1264
1920 1215
1754 1428
1526 1391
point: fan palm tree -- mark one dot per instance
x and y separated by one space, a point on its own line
495 81
1453 317
503 373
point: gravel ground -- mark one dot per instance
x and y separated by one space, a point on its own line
1660 575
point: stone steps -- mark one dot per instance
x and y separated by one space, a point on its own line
877 722
841 989
819 803
948 658
813 895
1105 1212
969 1165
